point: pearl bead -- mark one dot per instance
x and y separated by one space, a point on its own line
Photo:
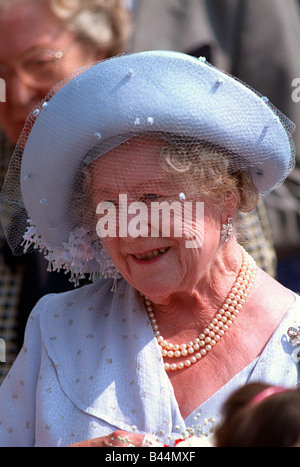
219 324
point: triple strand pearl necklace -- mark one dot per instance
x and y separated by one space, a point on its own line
216 329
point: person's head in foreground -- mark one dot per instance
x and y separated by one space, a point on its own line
134 171
44 41
259 415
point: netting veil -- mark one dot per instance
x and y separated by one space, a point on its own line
168 127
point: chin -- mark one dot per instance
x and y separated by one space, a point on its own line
156 288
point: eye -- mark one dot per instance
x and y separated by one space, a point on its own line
149 197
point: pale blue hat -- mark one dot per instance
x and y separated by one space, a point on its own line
155 91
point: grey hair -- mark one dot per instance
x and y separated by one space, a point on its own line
210 167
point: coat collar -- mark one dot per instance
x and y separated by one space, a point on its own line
107 360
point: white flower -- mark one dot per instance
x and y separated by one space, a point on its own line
80 255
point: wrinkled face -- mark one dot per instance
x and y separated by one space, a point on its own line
29 37
159 233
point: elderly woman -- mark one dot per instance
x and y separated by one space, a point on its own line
135 170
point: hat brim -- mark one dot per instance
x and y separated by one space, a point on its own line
154 91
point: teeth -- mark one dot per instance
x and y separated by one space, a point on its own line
151 254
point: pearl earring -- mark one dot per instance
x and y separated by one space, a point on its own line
227 231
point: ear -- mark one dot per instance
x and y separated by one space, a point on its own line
95 54
101 54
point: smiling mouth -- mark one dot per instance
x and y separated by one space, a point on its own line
152 254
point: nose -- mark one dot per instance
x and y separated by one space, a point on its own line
134 220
